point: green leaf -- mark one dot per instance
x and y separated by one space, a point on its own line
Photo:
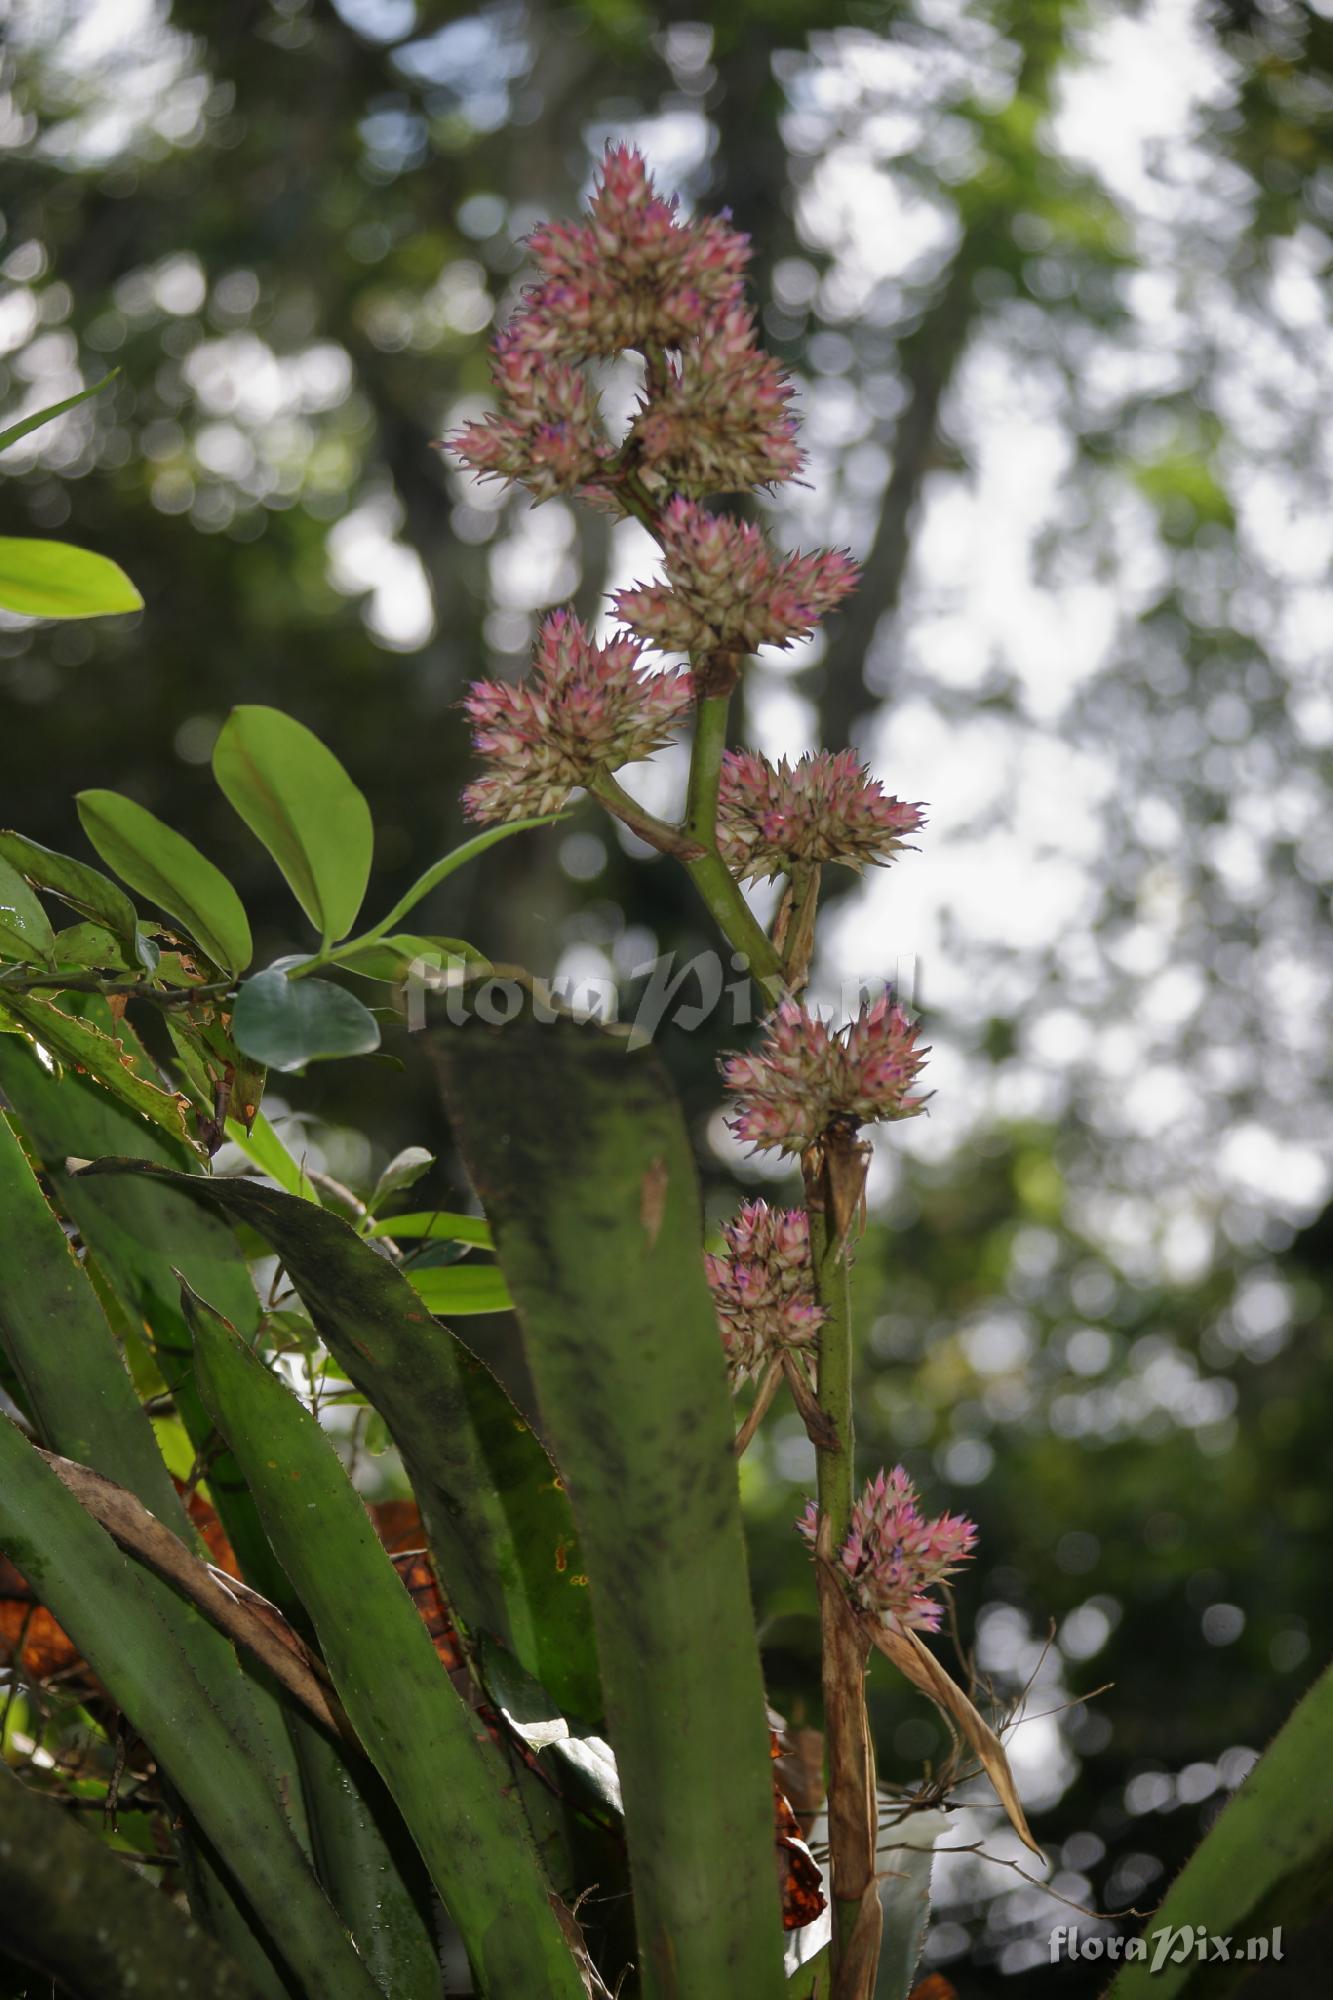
1266 1860
62 1349
138 1230
25 425
460 1289
436 1223
76 1912
601 1241
403 1171
297 799
25 929
458 1801
906 1855
369 1865
142 1235
90 947
286 1023
498 1520
82 887
265 1150
171 872
150 1652
393 957
84 1046
587 1761
56 580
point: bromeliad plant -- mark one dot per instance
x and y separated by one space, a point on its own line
565 1765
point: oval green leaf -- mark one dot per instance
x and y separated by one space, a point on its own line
286 1023
82 887
56 580
25 929
296 798
170 871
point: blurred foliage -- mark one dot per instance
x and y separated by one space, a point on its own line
290 227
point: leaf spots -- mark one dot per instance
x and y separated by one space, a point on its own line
652 1199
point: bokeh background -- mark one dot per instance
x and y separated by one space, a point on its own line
1051 277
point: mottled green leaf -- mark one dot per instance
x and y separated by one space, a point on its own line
142 1233
1267 1859
497 1517
85 1046
458 1800
581 1158
78 1914
148 1650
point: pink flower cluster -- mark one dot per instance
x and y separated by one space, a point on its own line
631 275
587 709
547 433
726 590
763 1287
716 415
893 1555
724 420
826 807
807 1076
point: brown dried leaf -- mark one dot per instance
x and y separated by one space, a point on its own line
925 1672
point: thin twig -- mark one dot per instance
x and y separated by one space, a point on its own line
113 989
